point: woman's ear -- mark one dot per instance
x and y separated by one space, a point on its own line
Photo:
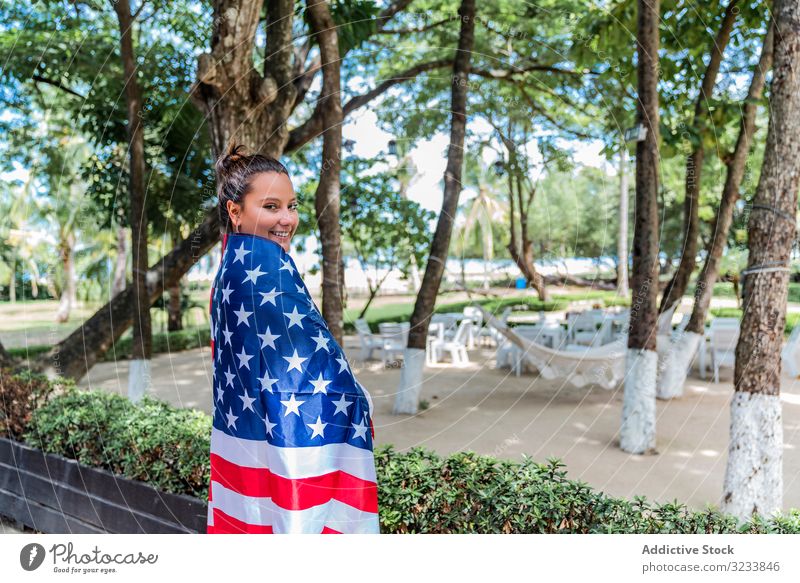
233 212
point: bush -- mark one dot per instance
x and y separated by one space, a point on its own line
163 342
418 491
20 395
150 441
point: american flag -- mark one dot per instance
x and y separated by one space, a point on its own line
291 443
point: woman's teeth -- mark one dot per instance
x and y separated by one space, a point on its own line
280 233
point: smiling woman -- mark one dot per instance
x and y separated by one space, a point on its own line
256 196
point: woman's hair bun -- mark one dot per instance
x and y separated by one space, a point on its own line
235 153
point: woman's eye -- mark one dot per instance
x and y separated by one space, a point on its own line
269 206
293 206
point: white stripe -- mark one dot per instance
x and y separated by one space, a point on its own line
264 512
295 462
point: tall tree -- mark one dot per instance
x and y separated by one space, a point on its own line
142 349
638 429
327 198
754 472
622 236
675 364
407 399
694 163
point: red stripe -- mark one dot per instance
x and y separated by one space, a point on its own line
327 530
226 524
297 494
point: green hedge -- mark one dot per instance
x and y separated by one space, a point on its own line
419 491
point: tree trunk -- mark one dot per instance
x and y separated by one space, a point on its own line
694 165
676 361
754 473
622 240
67 301
414 359
120 267
327 198
139 375
174 312
637 432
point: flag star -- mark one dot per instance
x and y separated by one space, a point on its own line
300 289
231 418
361 430
227 334
219 392
343 365
247 401
219 353
322 342
294 361
341 405
320 385
219 314
295 318
222 271
229 376
267 382
292 406
240 253
287 266
318 428
226 292
244 359
269 296
253 274
268 339
243 315
269 424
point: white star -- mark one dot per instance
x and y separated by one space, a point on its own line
243 315
219 314
292 406
219 392
240 253
248 402
342 405
322 342
300 289
244 359
287 266
253 274
318 428
269 297
295 318
320 385
222 273
267 382
226 292
231 418
268 339
269 425
343 365
229 376
361 430
294 361
219 353
227 334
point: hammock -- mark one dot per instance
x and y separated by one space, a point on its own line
601 365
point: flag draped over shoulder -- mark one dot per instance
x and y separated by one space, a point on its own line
291 443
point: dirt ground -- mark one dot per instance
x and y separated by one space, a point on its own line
491 411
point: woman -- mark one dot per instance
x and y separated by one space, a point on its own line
291 443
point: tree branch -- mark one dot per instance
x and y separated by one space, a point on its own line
57 84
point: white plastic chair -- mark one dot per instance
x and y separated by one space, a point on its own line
790 355
394 339
456 347
722 345
369 342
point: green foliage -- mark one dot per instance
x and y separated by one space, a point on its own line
418 490
166 342
20 395
150 441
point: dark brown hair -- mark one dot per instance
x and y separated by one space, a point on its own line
235 170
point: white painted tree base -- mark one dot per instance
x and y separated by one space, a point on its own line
407 399
139 379
638 431
754 474
673 367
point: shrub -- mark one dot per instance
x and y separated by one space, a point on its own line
20 395
150 441
418 491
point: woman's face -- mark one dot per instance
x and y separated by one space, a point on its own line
269 209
